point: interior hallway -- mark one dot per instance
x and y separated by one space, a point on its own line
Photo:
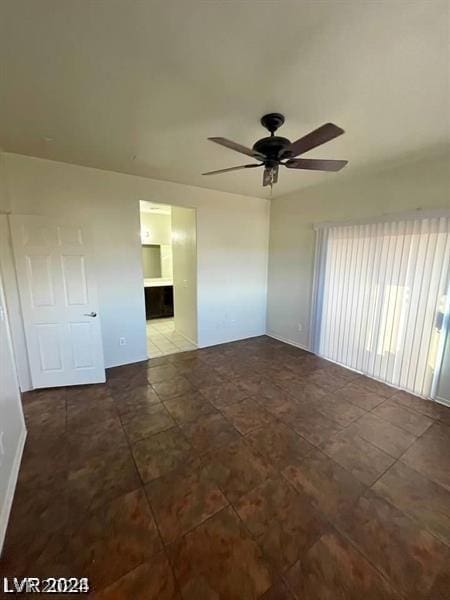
242 471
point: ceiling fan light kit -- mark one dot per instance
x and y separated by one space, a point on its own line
274 150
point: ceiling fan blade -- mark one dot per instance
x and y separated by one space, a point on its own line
313 164
235 146
319 136
232 169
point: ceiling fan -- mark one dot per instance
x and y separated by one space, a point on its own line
274 150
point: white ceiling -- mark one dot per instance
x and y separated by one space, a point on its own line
137 86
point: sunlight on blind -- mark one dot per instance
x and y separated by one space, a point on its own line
381 288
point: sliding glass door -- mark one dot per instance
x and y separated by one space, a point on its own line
381 297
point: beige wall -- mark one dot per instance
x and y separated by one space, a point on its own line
166 261
158 228
12 425
4 202
13 303
184 253
232 245
418 184
151 261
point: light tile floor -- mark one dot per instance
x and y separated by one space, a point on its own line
162 338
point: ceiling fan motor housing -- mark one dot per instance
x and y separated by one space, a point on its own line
274 147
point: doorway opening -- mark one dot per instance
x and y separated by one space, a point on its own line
169 265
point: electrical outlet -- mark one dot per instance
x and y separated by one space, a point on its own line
122 341
300 327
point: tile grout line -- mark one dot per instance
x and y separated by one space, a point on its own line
333 526
150 509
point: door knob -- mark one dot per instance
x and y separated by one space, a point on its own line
91 314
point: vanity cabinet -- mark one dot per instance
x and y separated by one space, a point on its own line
158 302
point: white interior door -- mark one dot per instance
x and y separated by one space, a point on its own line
58 294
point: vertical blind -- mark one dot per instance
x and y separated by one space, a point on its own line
381 297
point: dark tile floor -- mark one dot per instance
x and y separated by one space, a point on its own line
248 470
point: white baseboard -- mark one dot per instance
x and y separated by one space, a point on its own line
131 361
6 508
288 341
439 399
26 388
443 401
211 344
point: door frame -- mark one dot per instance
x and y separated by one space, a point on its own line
5 506
196 307
12 298
444 345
